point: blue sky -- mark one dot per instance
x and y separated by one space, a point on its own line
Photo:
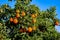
42 4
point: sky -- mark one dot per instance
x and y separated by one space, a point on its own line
42 4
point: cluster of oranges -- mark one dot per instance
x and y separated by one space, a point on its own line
30 29
18 15
34 17
15 21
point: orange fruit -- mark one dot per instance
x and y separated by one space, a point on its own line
36 15
23 13
15 21
29 29
21 30
56 23
11 19
34 28
34 20
33 15
17 11
17 15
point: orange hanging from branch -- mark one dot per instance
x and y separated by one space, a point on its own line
33 15
11 19
34 20
34 28
17 15
29 29
17 11
21 30
23 13
15 21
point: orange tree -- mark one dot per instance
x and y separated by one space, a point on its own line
27 22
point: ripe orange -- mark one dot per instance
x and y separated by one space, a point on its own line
23 13
15 21
34 28
17 15
17 11
34 20
33 15
11 19
56 23
29 29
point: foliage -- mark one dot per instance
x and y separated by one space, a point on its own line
27 22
